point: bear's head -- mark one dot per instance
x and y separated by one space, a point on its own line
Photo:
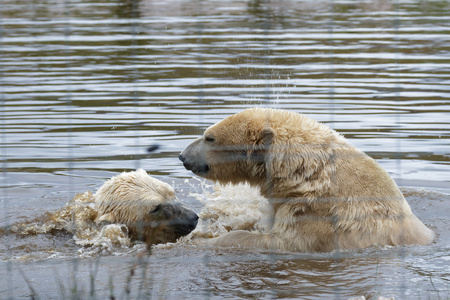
146 205
261 145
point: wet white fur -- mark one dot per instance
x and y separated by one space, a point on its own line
326 194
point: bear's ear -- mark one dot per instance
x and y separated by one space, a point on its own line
261 141
265 137
261 136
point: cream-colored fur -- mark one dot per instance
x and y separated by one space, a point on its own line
146 205
326 194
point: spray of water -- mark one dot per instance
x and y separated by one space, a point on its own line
225 208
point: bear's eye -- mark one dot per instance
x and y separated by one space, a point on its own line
209 139
157 208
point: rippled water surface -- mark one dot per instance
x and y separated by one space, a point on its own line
88 86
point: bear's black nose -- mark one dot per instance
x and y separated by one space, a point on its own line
181 157
193 220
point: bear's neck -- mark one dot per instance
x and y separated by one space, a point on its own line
298 186
306 190
308 174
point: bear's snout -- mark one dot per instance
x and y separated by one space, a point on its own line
192 221
185 224
198 169
193 158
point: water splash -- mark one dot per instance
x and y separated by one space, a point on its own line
77 218
225 208
231 207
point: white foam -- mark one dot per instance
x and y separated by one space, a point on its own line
231 207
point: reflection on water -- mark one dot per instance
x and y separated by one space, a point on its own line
88 85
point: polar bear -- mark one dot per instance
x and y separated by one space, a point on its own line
325 193
147 206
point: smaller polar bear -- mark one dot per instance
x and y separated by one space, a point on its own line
325 193
147 206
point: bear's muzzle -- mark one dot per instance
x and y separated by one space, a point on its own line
193 158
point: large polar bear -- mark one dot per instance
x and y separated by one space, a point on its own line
147 206
325 193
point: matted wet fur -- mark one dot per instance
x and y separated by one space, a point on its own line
325 193
147 206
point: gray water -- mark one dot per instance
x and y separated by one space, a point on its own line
88 86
